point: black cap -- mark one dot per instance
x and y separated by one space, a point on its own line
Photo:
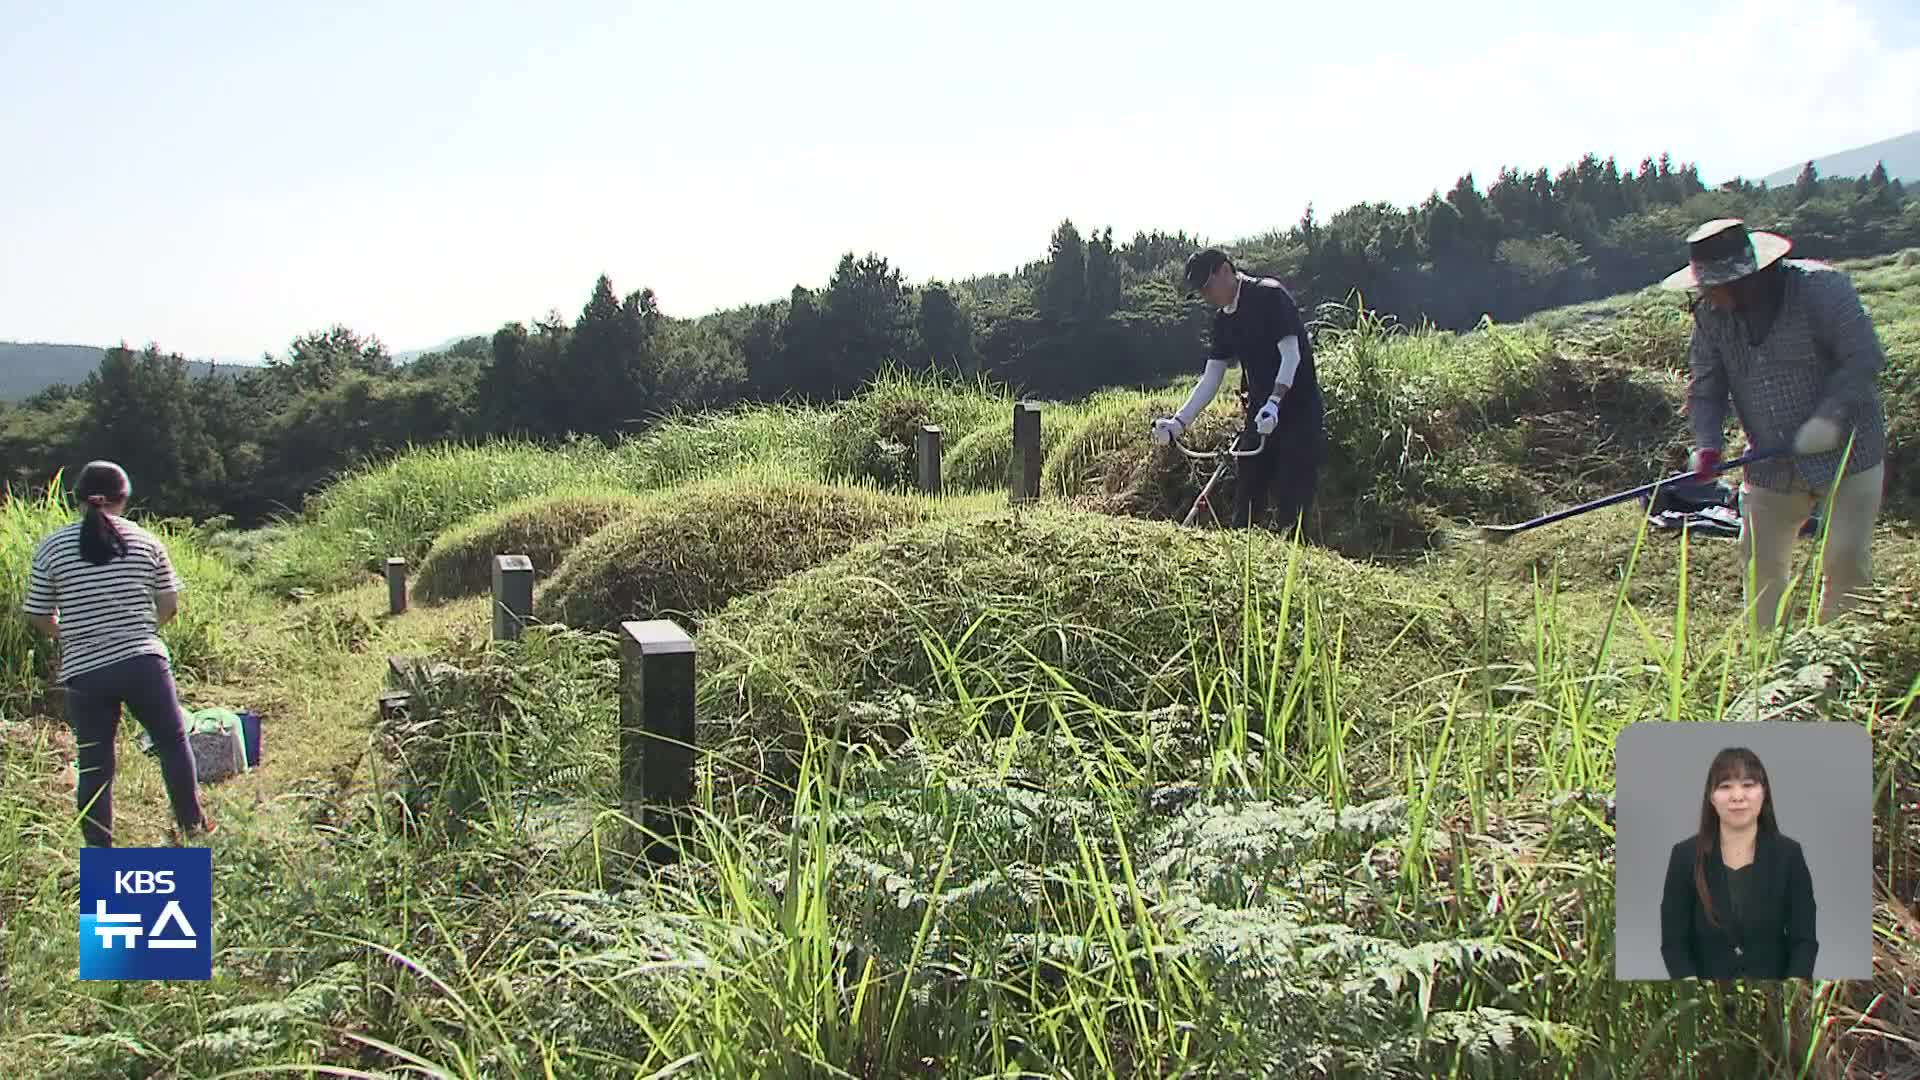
1201 265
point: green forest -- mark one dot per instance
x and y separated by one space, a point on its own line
1092 313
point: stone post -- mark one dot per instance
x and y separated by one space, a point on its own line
1026 452
929 458
512 596
656 734
396 586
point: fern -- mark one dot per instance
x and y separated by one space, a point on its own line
1818 671
313 1001
103 1050
1494 1037
1249 851
1390 965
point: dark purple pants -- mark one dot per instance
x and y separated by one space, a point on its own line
145 685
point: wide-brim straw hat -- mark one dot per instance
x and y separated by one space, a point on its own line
1725 250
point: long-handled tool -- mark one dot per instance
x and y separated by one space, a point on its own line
1495 534
1225 458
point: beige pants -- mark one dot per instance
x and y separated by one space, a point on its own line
1770 523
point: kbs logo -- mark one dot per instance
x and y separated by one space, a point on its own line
145 913
143 881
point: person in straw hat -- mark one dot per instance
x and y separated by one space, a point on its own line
1790 343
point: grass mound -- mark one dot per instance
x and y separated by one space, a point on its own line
1134 610
695 446
1111 426
1890 289
685 557
982 459
396 508
543 528
872 437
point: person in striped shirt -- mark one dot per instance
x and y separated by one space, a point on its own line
101 588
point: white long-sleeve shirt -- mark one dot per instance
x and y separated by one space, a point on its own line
1216 372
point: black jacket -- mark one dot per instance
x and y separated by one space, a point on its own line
1773 939
1266 313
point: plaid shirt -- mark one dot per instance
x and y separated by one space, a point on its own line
1820 358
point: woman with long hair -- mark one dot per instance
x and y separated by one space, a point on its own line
1738 901
102 587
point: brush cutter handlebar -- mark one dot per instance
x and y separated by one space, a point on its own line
1211 455
1221 458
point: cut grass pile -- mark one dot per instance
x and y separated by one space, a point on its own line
684 557
545 528
1111 607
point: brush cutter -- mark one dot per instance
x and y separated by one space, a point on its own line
1225 459
1495 534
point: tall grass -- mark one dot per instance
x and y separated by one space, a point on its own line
872 437
215 594
686 447
397 507
1003 859
1260 879
24 522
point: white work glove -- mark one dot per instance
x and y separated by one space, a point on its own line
1166 428
1268 418
1817 436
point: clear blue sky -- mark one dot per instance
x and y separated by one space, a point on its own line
222 177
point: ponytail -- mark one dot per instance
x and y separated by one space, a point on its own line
100 541
102 483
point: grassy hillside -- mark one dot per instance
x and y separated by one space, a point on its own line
1060 790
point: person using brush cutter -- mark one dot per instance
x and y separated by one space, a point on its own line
1789 341
1257 322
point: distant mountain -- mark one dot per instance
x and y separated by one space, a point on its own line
410 355
28 368
1901 154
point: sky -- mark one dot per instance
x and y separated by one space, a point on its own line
220 178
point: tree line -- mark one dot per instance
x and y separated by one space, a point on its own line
1090 313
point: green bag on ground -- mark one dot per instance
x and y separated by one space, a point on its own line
219 743
218 739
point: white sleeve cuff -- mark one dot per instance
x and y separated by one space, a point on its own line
1289 362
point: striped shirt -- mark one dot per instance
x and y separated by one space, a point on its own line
106 612
1819 358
